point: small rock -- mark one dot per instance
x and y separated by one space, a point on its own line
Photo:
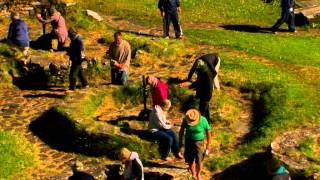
94 15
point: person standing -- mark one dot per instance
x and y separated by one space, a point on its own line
207 68
120 55
76 54
18 33
160 129
196 127
169 12
159 90
59 27
133 165
287 16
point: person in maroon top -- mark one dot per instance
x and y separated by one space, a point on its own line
159 90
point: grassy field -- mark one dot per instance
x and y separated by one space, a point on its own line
217 12
278 73
16 154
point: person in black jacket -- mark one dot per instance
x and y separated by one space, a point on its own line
169 11
207 68
287 16
76 54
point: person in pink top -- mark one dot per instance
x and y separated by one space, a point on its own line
159 90
59 28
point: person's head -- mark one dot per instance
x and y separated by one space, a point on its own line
72 33
193 117
152 81
118 37
125 154
51 11
166 104
15 16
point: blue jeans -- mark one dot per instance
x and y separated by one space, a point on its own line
168 140
119 77
175 21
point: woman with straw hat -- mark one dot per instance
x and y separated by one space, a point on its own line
133 165
196 127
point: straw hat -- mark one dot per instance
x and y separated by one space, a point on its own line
125 153
193 117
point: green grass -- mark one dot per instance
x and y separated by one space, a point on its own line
301 50
132 94
280 99
16 154
213 11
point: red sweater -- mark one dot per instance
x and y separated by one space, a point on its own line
159 93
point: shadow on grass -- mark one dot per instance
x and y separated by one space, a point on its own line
246 28
255 167
125 128
60 132
48 95
252 168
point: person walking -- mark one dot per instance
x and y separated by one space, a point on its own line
18 33
207 68
120 55
169 10
196 127
287 16
76 54
160 129
159 90
133 165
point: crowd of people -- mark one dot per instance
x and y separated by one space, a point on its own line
195 130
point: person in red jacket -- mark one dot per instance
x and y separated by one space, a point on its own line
159 90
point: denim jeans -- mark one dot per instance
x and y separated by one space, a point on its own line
168 140
119 77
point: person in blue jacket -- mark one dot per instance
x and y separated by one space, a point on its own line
169 11
18 33
287 16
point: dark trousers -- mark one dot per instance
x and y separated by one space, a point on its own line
168 140
286 17
119 77
204 109
76 71
175 21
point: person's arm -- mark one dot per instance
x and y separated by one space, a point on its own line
127 63
208 140
178 5
137 170
161 7
39 17
187 81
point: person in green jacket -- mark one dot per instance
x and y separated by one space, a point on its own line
196 127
